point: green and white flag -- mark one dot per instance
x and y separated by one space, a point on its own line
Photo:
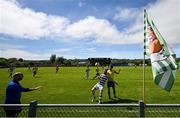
162 57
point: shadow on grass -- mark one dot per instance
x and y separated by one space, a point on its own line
119 100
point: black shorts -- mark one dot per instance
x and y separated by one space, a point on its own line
110 84
34 72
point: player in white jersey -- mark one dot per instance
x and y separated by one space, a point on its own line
100 85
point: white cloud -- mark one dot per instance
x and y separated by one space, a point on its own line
116 55
17 53
100 29
91 27
4 46
126 13
166 15
91 50
25 22
166 18
167 21
62 50
33 25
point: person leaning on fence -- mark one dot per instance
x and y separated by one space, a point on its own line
13 94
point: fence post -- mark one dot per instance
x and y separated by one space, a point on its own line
32 109
141 109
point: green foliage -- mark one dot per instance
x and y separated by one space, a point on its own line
20 64
20 59
3 62
67 63
60 60
12 60
53 58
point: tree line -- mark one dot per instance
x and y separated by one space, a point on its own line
54 60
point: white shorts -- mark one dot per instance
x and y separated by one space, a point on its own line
98 86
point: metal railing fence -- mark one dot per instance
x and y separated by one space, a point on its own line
162 110
92 110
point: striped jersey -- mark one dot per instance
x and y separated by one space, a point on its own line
102 79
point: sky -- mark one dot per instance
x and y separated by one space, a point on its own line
35 29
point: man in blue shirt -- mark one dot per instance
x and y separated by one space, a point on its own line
13 94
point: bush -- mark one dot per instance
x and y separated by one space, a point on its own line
3 63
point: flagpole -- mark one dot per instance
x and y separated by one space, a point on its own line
144 56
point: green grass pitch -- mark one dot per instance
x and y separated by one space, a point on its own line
69 87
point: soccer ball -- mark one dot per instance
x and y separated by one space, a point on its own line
96 64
